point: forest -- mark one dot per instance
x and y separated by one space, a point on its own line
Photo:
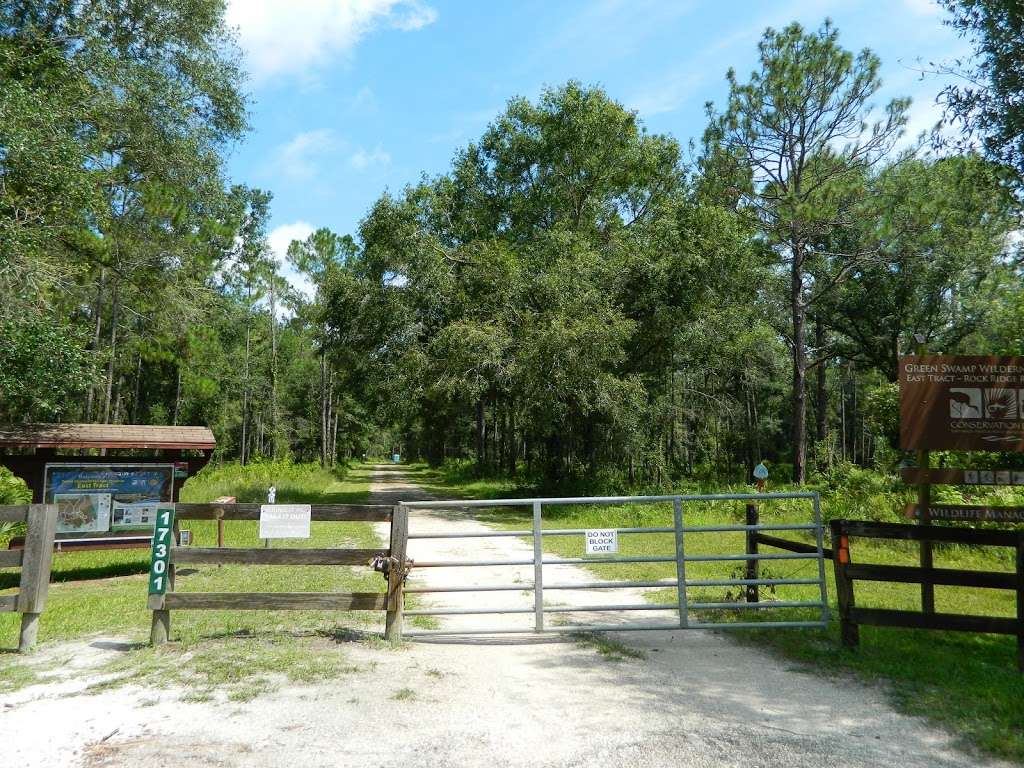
576 299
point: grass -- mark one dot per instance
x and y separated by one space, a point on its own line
967 683
238 668
607 647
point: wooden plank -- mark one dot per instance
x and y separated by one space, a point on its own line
915 476
8 603
396 575
942 576
870 530
261 556
10 558
792 546
319 512
882 617
14 513
970 512
38 555
276 601
1020 601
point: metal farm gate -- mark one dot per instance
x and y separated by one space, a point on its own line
527 569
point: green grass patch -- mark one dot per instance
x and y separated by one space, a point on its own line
238 668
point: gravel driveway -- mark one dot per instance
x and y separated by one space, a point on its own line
694 699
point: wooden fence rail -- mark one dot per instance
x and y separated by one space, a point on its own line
393 555
34 559
848 572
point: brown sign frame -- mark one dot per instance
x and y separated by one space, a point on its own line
961 402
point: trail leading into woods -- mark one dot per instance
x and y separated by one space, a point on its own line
695 699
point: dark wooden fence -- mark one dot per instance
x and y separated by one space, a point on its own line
389 601
34 558
847 572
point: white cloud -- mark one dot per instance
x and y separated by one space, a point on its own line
297 158
279 239
667 94
364 102
284 37
362 159
922 7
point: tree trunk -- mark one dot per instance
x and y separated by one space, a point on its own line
90 397
323 409
273 371
821 391
113 353
177 397
245 380
481 435
137 394
798 436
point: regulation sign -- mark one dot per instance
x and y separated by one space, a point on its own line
962 403
601 542
284 521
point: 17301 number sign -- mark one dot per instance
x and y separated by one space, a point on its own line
163 536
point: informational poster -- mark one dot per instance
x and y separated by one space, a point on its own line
285 521
958 402
95 498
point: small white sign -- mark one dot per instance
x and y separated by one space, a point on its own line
284 521
602 542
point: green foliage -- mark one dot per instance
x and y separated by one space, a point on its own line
43 367
986 100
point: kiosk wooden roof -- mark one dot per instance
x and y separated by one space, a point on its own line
35 445
106 436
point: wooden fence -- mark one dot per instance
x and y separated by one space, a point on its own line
847 572
393 556
34 558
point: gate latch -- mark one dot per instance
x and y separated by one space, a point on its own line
384 563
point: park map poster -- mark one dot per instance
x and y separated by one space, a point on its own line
95 498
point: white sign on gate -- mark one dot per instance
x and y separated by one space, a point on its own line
284 521
602 542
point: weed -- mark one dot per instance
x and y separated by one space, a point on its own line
611 649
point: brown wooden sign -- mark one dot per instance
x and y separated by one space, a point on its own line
912 475
961 402
969 512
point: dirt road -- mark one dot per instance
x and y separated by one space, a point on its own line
694 699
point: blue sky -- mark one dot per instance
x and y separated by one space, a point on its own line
352 97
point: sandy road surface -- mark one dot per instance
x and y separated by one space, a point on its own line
696 699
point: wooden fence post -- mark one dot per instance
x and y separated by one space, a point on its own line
1020 601
35 570
396 576
844 585
751 573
